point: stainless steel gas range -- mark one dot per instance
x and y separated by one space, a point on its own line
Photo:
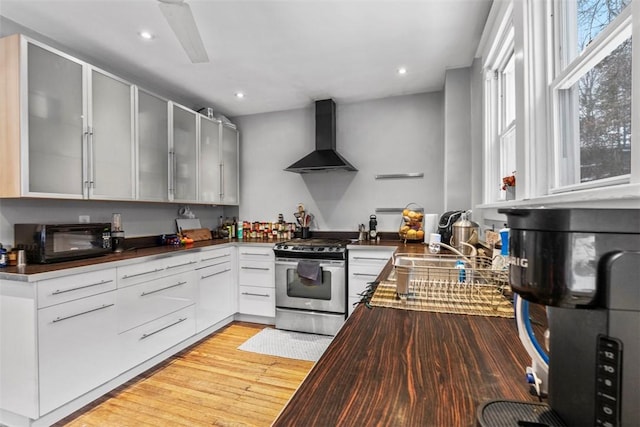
311 285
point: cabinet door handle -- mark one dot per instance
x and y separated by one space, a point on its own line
92 178
255 268
256 295
162 289
254 253
181 265
102 307
172 172
371 258
215 257
214 274
365 274
85 147
221 181
144 336
62 291
129 276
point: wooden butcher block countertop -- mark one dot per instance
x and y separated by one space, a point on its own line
390 367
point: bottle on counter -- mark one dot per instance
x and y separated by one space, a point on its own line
434 243
239 230
3 256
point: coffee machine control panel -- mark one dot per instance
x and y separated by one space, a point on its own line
608 381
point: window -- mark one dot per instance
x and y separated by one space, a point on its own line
500 109
591 94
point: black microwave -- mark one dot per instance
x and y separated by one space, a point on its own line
44 243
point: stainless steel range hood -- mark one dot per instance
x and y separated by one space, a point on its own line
325 157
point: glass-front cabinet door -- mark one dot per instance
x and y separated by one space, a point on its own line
230 162
210 169
184 150
153 148
56 124
110 154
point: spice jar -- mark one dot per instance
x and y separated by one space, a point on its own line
12 258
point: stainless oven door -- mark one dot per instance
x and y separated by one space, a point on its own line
294 292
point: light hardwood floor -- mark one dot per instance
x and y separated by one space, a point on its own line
210 383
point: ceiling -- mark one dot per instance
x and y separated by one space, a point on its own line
282 54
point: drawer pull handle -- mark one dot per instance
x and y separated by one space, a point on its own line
256 268
60 319
255 253
365 274
214 274
62 291
371 258
213 265
144 336
181 265
129 276
162 289
215 257
256 295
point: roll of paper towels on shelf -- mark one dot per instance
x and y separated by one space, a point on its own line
430 225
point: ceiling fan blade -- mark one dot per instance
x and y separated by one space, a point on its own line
180 19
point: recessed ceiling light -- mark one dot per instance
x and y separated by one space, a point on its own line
145 35
239 95
402 70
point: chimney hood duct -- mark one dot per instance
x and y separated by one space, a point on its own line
325 157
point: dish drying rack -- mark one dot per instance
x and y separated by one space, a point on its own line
455 281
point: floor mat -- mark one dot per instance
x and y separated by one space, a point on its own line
292 345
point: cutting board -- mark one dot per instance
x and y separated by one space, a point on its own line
197 234
187 224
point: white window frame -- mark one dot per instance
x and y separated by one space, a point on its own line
500 51
618 30
536 59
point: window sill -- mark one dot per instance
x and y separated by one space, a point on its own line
624 196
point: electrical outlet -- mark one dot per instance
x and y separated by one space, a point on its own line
84 218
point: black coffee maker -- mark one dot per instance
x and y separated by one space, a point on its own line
584 265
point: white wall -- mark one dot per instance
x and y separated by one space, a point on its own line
457 139
392 135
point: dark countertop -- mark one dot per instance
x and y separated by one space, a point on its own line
15 273
391 367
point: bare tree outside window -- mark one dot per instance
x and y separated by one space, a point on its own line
604 97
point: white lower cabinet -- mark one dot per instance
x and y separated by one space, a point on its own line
77 348
217 295
148 340
151 300
256 281
65 336
365 265
257 301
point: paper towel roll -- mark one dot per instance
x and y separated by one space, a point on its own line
430 225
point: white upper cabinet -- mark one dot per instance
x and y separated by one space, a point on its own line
219 157
230 165
184 151
55 125
210 162
73 131
70 126
153 147
110 155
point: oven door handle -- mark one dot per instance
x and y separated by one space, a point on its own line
323 263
